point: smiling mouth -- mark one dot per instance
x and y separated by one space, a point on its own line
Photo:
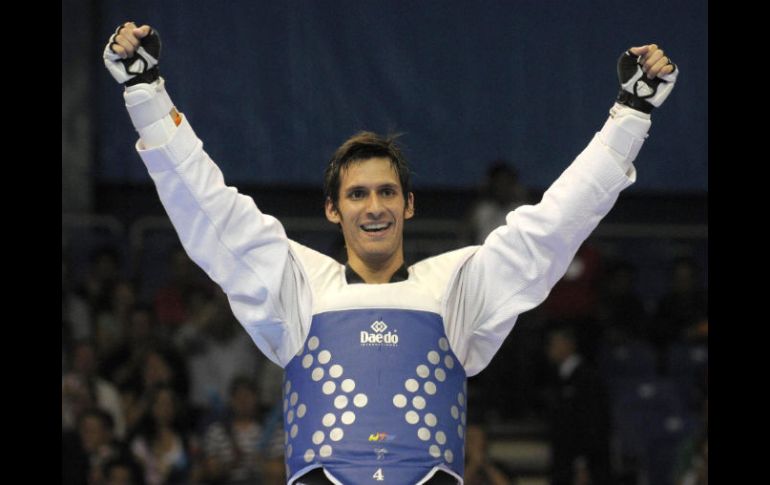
375 228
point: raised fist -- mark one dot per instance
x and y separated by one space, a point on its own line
646 77
131 54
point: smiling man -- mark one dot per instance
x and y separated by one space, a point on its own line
376 355
368 194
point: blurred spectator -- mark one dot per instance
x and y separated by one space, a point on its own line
622 314
682 313
171 301
238 449
123 471
83 388
137 339
693 459
160 441
216 349
156 366
575 300
75 312
112 319
579 416
102 274
479 467
86 451
500 194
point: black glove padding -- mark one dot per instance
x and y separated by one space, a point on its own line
639 92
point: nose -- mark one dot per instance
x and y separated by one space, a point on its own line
374 206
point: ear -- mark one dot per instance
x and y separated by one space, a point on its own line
331 213
409 210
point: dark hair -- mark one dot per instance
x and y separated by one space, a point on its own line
361 146
106 418
243 381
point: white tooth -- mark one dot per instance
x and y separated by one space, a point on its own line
374 227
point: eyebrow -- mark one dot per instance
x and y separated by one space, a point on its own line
387 185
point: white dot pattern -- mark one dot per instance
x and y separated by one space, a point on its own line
412 417
329 419
433 357
318 437
336 434
440 437
430 419
309 455
422 371
449 362
418 402
440 374
423 434
335 371
294 398
312 344
460 430
411 385
324 357
329 387
290 416
318 374
348 385
289 449
360 400
288 387
399 400
430 388
443 344
348 417
301 410
434 451
340 402
449 456
325 451
307 361
455 412
294 430
461 399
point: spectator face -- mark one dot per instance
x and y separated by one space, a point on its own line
244 402
93 433
163 407
559 348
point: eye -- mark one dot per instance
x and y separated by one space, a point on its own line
388 192
357 194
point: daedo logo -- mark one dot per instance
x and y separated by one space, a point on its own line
381 436
379 336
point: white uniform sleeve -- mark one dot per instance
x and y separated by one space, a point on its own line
243 250
519 262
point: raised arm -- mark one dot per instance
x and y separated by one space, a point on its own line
243 250
519 262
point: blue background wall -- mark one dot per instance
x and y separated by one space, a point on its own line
274 87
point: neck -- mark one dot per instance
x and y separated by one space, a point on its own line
374 272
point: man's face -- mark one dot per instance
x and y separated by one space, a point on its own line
371 211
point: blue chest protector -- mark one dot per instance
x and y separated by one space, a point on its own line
375 397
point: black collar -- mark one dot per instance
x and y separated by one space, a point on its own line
351 276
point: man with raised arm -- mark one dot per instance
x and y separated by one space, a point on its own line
376 354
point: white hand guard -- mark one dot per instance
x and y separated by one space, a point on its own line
142 67
639 92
